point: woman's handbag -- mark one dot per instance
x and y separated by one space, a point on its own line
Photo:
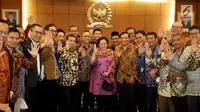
107 86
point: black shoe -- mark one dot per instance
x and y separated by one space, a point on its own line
91 110
84 109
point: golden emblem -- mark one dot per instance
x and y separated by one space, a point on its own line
99 15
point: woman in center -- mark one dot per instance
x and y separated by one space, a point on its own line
102 83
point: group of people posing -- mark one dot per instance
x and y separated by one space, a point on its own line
54 71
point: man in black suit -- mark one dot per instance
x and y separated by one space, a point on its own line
33 78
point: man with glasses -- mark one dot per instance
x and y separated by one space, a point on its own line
50 70
140 80
84 73
52 29
131 31
32 77
190 61
74 30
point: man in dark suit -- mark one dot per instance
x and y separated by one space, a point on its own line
33 78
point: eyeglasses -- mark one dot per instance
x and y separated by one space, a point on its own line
131 33
53 31
138 37
4 32
194 33
37 32
61 36
176 27
74 30
86 36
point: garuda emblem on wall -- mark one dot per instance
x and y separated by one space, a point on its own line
99 15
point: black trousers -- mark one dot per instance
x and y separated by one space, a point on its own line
30 98
127 97
152 98
88 98
50 95
180 104
68 98
106 103
141 97
193 103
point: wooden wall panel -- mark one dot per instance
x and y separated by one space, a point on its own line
152 23
153 9
78 20
32 7
61 21
198 17
63 13
45 6
138 22
121 22
61 6
138 8
45 19
76 6
122 8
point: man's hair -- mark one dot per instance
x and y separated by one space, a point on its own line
151 33
18 25
60 30
97 29
129 28
48 26
72 26
70 35
114 33
124 33
86 31
34 25
140 31
13 29
194 27
3 21
179 24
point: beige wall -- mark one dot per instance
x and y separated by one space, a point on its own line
63 13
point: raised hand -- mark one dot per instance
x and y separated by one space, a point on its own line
161 32
163 45
141 49
67 45
194 45
48 39
31 20
169 35
83 52
168 53
59 48
149 53
34 50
